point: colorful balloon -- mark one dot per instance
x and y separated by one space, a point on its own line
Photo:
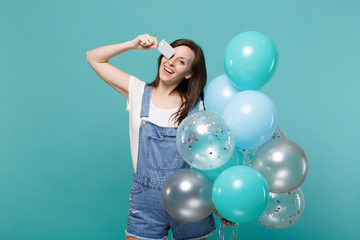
240 194
204 140
283 163
236 159
250 60
252 118
218 93
186 195
250 153
283 210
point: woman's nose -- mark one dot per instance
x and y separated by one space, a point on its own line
171 62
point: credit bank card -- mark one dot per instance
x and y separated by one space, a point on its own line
166 49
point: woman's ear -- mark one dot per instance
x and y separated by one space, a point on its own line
188 76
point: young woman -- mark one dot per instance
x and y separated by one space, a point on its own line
155 111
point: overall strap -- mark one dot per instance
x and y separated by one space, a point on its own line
145 104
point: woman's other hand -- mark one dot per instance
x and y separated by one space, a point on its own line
145 41
227 223
223 220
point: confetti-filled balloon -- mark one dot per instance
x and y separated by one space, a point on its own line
283 210
186 195
204 140
236 159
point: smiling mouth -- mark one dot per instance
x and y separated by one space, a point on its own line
168 70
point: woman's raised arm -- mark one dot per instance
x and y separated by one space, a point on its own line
98 59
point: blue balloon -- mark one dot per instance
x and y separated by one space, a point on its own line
240 194
236 159
218 93
250 60
252 118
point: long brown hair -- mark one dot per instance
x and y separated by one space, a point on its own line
190 89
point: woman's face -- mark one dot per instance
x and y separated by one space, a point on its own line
178 67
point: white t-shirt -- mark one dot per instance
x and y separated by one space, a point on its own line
158 116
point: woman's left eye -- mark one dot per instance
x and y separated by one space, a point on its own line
182 62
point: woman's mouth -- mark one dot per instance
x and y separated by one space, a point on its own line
168 71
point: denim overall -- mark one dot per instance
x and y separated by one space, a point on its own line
158 158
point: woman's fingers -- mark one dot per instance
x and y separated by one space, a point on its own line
150 41
142 40
223 220
148 38
153 42
146 41
227 223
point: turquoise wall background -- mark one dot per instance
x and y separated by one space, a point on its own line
65 167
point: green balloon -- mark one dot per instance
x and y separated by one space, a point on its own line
240 194
250 60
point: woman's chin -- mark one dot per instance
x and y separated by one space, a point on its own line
166 78
169 79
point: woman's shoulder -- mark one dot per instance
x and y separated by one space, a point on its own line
136 83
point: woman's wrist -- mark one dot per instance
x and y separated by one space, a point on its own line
131 45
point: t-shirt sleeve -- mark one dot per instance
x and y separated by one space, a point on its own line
136 88
128 100
201 106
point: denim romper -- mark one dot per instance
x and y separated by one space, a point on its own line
158 158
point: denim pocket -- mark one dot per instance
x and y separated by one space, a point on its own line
162 154
137 188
